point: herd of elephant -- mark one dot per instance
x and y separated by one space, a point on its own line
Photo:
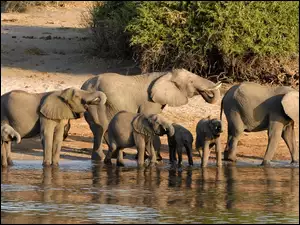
124 111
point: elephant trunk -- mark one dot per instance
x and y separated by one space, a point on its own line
170 128
211 96
95 98
207 89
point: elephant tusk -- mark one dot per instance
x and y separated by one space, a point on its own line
217 86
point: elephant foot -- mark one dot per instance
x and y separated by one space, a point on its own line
98 156
295 162
229 157
159 158
46 163
120 163
107 161
10 162
55 164
266 163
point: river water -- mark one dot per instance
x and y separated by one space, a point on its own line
81 192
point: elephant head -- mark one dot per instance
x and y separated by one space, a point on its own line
9 134
175 87
215 127
290 104
153 125
70 103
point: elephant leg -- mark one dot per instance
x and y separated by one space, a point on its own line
157 145
8 154
172 150
140 145
3 154
47 131
218 152
57 143
189 149
179 153
112 148
205 155
274 134
120 159
235 129
288 136
152 153
96 118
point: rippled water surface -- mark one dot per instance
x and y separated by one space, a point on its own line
79 192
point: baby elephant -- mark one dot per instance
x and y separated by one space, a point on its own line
208 132
128 129
182 138
8 134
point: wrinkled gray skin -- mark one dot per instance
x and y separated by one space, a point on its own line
31 114
208 133
251 107
8 134
182 138
128 129
146 93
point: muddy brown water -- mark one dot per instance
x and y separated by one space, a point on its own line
82 192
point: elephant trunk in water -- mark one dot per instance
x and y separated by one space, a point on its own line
207 89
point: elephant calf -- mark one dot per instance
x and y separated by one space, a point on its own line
181 138
208 135
8 134
47 114
128 129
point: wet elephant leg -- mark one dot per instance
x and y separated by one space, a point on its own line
157 145
47 131
120 159
205 155
57 143
172 150
179 153
235 130
274 133
218 152
289 137
8 152
189 149
4 154
112 148
97 120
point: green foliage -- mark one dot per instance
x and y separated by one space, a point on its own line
242 40
108 22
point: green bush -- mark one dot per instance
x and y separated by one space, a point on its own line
245 40
108 22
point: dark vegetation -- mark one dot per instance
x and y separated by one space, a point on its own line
228 41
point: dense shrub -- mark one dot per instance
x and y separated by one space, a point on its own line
108 22
244 40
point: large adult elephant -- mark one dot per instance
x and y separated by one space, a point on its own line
252 107
147 93
47 114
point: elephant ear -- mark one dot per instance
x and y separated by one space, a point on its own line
166 91
55 107
141 125
290 104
